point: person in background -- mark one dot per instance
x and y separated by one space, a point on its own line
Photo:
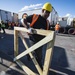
16 24
24 17
9 25
57 27
0 27
3 26
12 25
39 21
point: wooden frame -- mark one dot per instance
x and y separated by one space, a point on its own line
50 36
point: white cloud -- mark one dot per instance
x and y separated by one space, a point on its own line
69 15
32 6
69 19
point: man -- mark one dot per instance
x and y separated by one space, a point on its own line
39 22
0 27
3 26
57 27
24 17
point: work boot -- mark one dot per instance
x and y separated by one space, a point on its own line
4 32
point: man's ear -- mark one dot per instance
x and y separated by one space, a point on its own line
42 10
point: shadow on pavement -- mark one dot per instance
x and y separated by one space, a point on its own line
60 62
59 59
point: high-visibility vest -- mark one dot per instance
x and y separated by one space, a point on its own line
2 25
35 18
57 27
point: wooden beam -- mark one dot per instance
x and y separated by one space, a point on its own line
21 29
39 31
50 36
43 32
48 56
34 47
15 42
31 55
47 61
25 68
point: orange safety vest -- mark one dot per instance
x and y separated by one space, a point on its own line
57 27
35 18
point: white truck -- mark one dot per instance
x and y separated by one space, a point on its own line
67 25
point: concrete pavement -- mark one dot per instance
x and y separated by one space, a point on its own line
63 58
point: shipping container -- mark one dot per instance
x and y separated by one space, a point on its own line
7 16
14 17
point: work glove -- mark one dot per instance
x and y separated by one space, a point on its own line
22 21
32 31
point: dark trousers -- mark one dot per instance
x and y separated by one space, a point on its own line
39 51
3 29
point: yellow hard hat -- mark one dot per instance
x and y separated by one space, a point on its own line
47 6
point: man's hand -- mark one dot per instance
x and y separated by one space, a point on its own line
22 21
32 31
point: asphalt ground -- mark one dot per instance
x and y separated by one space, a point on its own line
63 59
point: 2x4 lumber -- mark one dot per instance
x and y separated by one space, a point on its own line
34 47
43 32
48 56
31 55
39 31
21 29
48 39
15 42
25 68
47 60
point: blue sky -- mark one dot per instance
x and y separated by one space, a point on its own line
63 7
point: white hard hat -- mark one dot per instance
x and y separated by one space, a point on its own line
57 22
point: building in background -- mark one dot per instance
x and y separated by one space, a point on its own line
7 16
